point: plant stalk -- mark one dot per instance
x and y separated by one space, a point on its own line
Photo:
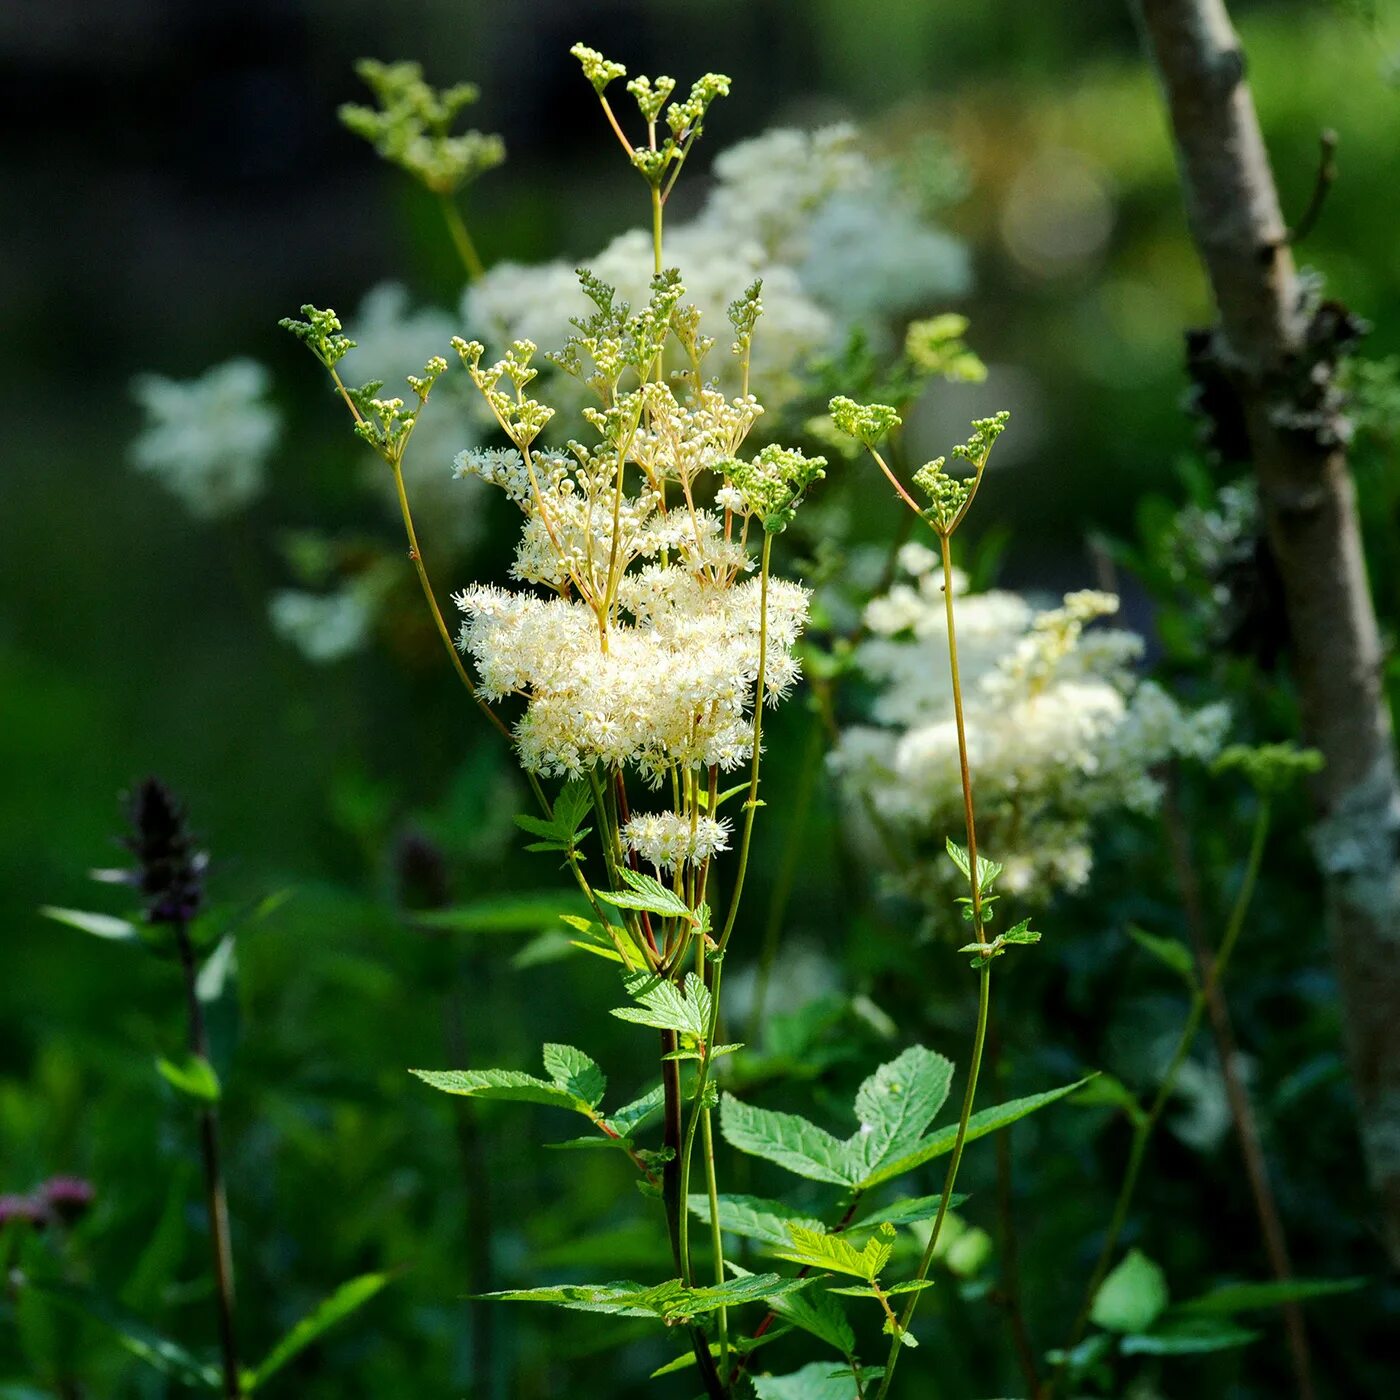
216 1198
462 240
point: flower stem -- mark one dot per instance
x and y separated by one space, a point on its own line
751 806
216 1198
462 240
984 976
984 983
1146 1124
416 555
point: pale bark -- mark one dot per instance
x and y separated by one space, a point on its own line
1277 352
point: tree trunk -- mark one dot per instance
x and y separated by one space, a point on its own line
1276 351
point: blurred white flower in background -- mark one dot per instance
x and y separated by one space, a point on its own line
837 244
1060 731
207 440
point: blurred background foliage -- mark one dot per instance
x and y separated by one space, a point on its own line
182 182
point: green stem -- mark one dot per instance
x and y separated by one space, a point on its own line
1146 1124
984 983
716 1236
656 228
421 568
984 975
462 240
974 880
751 806
216 1197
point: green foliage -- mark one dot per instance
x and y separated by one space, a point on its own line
670 1302
987 1120
666 1006
1246 1297
815 1249
136 1336
193 1076
817 1381
648 894
1170 952
900 1099
1132 1297
754 1217
412 126
561 832
347 1299
575 1082
935 347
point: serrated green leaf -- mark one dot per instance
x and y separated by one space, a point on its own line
906 1212
896 1104
584 1144
1171 952
1104 1091
99 925
669 1302
739 1346
1132 1297
575 1073
817 1381
913 1285
345 1300
571 806
647 893
989 1120
666 1006
987 870
753 1217
815 1249
510 1085
140 1339
193 1076
1244 1297
634 1116
1188 1336
787 1139
1021 933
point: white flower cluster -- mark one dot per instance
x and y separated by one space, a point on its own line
207 439
674 686
324 627
645 649
669 839
836 244
1060 731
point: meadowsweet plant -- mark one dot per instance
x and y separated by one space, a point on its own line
629 665
1061 731
169 874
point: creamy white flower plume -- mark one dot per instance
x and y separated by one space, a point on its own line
1060 730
